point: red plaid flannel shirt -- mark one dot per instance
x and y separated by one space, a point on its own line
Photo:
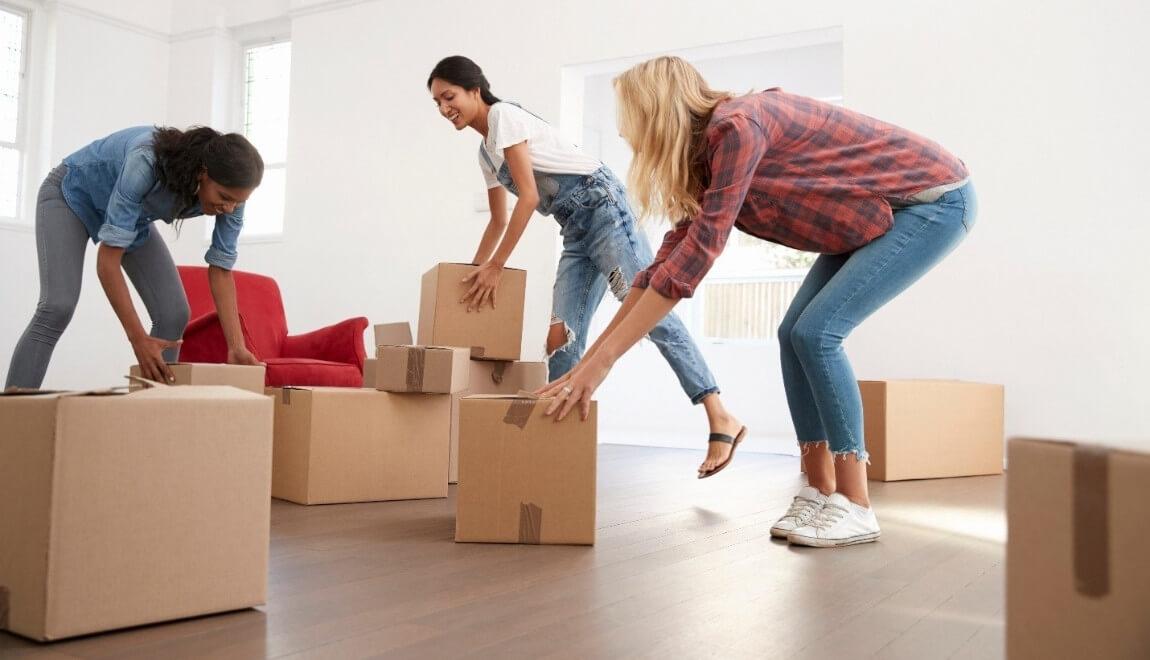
799 172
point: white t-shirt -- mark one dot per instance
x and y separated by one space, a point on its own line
508 125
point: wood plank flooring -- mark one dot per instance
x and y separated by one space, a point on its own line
682 569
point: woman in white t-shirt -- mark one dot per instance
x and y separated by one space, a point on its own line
602 246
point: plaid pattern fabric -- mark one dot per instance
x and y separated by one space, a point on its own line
801 173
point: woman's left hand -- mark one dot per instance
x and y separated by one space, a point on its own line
576 388
242 355
484 282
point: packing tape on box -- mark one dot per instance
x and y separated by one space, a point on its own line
497 372
4 608
530 523
416 361
1091 520
520 409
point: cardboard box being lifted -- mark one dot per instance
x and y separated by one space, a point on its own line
489 377
1077 575
119 510
491 334
245 377
338 444
926 429
524 478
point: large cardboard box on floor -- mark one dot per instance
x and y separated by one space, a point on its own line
118 510
337 444
1077 573
488 377
524 478
491 334
925 429
426 369
245 377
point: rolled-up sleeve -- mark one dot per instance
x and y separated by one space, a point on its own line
225 237
670 240
736 145
122 216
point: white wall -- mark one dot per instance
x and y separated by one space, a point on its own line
1044 101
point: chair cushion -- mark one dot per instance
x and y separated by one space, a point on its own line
317 373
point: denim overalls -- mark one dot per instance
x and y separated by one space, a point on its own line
602 247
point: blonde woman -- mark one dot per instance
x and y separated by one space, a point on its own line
880 204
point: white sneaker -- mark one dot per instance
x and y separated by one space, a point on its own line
804 508
839 522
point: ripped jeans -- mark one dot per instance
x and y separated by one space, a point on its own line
604 249
842 290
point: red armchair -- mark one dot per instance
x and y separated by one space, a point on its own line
329 356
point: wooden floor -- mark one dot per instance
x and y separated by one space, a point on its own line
682 569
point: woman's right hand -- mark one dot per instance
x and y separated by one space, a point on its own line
150 356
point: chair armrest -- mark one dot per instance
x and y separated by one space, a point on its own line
342 342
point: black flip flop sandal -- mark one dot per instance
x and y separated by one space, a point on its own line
734 442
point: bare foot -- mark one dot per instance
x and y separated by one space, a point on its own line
717 452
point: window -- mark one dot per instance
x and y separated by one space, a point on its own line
13 37
267 78
753 282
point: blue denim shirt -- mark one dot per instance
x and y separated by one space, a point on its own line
113 187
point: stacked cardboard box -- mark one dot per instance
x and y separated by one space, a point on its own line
489 377
195 373
491 334
1077 577
118 509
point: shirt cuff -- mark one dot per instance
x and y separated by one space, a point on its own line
669 287
642 280
114 236
217 257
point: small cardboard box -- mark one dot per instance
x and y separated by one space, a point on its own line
370 371
242 376
925 429
119 510
1077 574
489 377
492 334
392 334
524 478
428 369
338 444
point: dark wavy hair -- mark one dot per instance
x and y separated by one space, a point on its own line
229 159
459 70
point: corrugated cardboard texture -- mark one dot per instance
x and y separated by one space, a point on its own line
493 334
1053 608
133 509
492 378
924 429
370 369
529 484
201 373
356 445
428 369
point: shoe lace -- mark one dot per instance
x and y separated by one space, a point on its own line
828 516
802 508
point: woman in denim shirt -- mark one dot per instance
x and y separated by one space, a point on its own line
110 192
602 247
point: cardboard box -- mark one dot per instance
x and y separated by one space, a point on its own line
338 444
524 478
925 429
202 373
119 510
392 334
370 370
1077 574
489 377
428 369
492 334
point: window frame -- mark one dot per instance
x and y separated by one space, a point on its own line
21 220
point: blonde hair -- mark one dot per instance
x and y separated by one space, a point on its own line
664 105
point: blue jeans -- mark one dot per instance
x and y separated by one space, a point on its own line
603 248
839 293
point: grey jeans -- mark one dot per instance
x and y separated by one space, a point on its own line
61 240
